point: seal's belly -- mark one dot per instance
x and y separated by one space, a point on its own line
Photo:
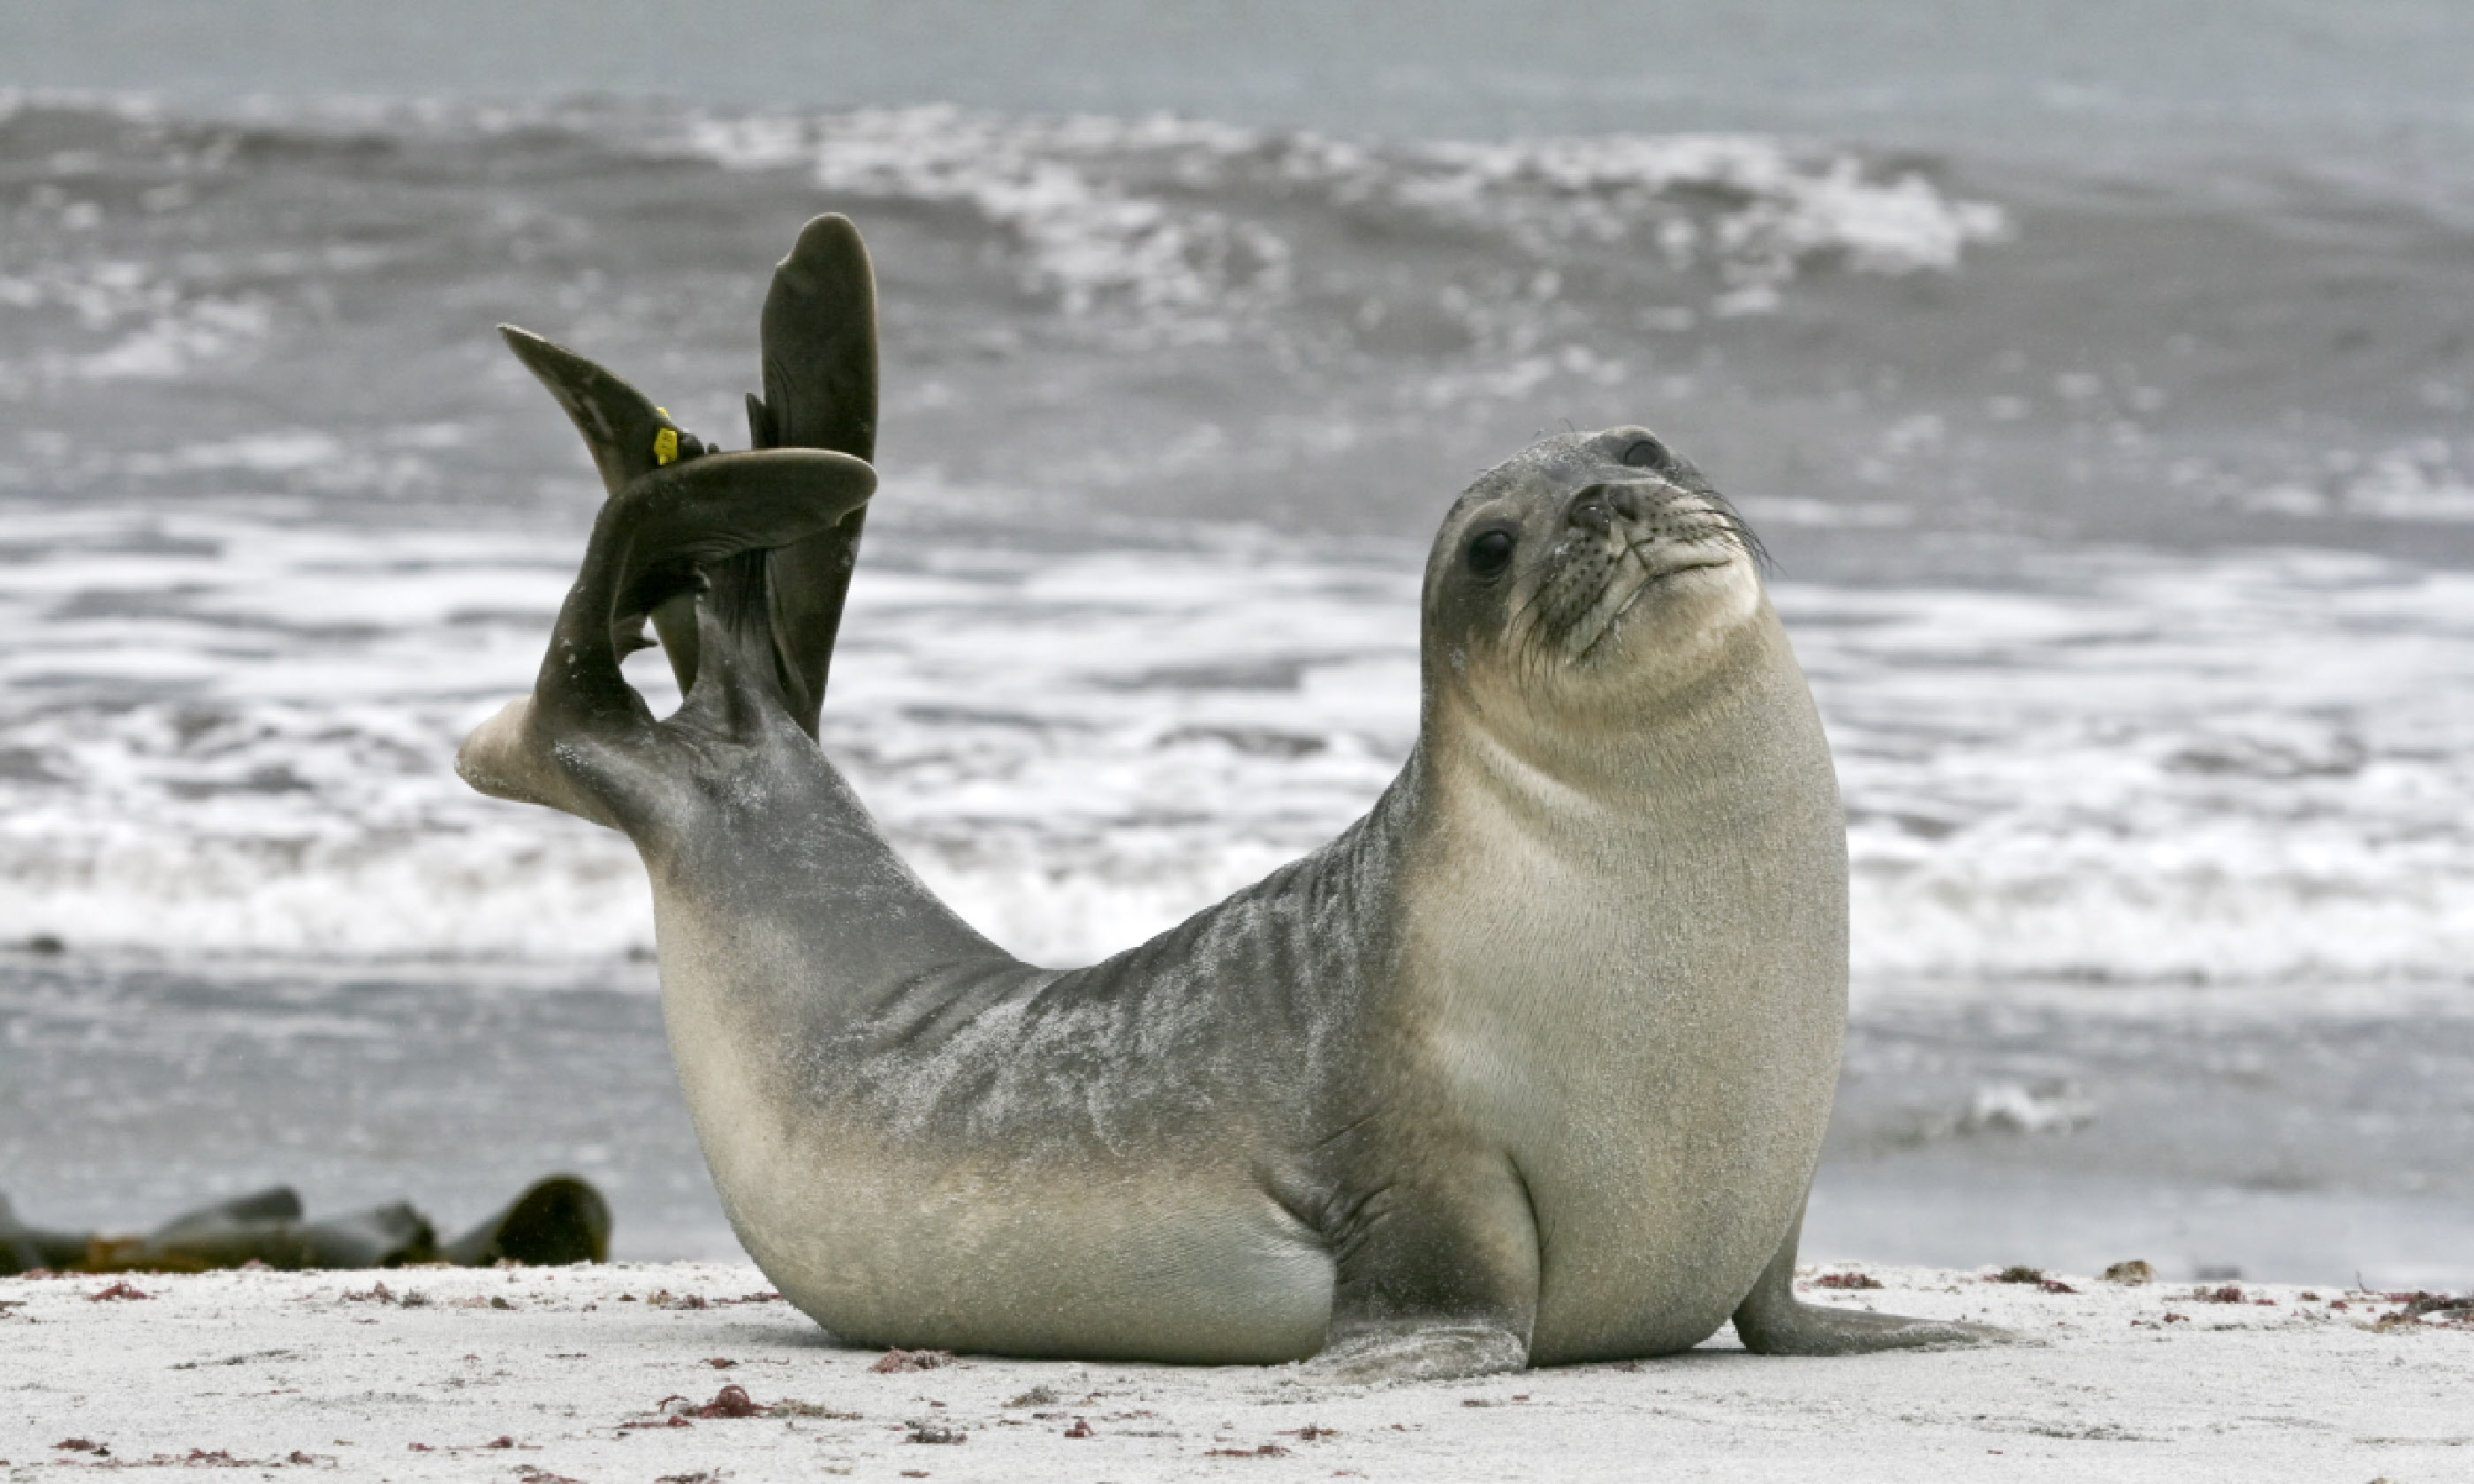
885 1244
888 1232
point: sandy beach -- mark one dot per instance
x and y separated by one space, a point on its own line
684 1373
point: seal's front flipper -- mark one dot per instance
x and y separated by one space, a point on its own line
555 1222
1772 1322
1432 1353
819 358
1437 1273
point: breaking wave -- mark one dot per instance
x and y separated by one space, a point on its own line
234 735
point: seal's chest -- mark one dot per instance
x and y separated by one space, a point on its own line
1622 975
1651 1041
1607 991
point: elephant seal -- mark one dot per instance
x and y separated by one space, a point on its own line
1530 1065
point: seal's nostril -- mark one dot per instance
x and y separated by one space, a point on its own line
1627 502
1591 511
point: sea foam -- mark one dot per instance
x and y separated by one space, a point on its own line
234 736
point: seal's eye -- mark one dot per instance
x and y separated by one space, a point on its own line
1645 453
1490 552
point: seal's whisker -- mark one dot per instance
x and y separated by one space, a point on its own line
1526 608
1732 519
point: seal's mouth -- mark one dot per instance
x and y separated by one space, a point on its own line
1625 601
1623 543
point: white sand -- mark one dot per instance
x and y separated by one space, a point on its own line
269 1367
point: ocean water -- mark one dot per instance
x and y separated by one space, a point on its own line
2106 407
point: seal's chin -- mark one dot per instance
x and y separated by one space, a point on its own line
1635 597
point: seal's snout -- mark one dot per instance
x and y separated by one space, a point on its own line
1596 507
1592 509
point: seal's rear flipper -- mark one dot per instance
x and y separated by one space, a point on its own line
581 742
556 1221
819 358
628 438
819 369
622 427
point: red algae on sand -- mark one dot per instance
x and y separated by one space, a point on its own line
730 1403
194 1458
1848 1280
732 1400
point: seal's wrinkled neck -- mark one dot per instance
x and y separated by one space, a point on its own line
1608 744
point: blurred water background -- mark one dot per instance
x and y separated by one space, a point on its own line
2099 373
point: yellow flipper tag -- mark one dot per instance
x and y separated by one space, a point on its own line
665 442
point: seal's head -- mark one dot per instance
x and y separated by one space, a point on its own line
1591 574
1590 560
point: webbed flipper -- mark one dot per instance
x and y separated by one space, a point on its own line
628 438
819 362
622 427
1772 1321
818 343
677 519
